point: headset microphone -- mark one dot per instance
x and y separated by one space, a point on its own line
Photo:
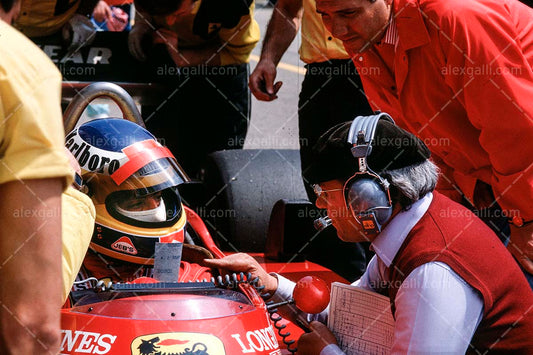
366 194
322 223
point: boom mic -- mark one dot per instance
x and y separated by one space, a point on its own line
322 223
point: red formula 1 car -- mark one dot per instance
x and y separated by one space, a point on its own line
225 315
178 318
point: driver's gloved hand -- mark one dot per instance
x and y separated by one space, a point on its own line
139 40
78 31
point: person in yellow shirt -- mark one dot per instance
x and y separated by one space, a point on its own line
34 171
331 93
78 216
331 90
68 19
206 45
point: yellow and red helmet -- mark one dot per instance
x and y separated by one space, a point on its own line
120 160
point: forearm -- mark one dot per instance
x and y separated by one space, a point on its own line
30 252
282 28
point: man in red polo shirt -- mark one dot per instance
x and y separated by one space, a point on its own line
458 74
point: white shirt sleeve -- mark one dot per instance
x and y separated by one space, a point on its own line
436 312
372 277
285 288
332 349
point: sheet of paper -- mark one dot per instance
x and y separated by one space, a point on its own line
361 320
167 260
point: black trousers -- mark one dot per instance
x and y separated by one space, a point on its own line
331 93
204 110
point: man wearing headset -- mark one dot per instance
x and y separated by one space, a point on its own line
437 262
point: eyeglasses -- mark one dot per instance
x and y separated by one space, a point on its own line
319 191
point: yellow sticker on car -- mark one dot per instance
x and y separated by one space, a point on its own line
181 343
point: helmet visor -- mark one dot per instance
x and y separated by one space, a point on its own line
147 167
153 177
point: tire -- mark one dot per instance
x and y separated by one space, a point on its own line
242 187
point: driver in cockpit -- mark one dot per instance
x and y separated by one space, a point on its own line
132 181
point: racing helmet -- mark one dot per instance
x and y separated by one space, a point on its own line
132 180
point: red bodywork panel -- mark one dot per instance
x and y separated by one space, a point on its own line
216 322
236 325
295 271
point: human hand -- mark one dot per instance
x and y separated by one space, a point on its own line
118 21
261 81
78 31
102 12
312 343
521 245
139 36
242 262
